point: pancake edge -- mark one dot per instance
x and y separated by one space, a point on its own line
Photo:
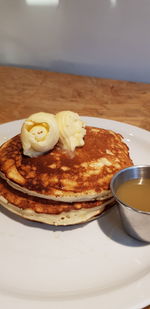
65 218
75 197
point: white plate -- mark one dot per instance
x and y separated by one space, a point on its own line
95 265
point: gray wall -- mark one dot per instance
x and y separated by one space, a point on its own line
104 38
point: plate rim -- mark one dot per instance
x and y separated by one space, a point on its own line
145 280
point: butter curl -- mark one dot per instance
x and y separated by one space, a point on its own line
39 134
71 130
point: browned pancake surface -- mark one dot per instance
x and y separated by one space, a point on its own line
41 205
58 173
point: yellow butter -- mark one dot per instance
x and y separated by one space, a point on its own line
39 134
71 130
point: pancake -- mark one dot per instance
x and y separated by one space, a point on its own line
58 175
47 211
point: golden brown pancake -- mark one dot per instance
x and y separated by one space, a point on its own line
58 175
47 211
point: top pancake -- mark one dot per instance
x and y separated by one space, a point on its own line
58 175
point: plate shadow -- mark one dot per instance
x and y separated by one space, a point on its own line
111 225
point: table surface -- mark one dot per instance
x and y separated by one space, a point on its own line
27 91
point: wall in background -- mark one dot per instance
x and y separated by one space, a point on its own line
104 38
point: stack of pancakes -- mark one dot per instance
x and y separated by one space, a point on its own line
58 187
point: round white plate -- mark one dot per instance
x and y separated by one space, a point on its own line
96 265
